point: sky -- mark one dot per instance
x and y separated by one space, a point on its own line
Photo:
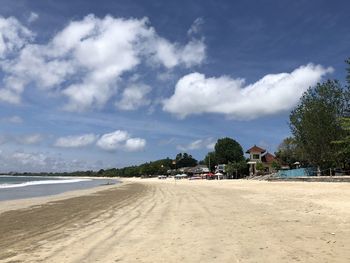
86 85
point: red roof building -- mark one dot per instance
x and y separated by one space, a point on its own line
260 155
268 158
256 149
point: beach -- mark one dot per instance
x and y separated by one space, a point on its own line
151 220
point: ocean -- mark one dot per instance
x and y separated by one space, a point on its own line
18 187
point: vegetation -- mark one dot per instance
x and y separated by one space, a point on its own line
276 165
320 125
315 122
210 161
288 152
185 160
260 167
228 150
237 169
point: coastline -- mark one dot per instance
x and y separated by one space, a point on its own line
15 204
150 220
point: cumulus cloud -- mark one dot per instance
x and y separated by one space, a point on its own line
207 143
76 141
135 144
197 94
85 61
13 36
134 97
120 140
170 55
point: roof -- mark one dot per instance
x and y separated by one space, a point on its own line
256 149
268 158
198 169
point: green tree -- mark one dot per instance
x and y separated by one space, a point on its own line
288 151
185 160
343 144
315 122
275 165
236 169
260 167
348 72
210 161
228 150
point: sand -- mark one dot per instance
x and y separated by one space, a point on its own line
153 220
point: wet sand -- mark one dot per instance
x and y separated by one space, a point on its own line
187 221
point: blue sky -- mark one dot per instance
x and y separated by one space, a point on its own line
98 84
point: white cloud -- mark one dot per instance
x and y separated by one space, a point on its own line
196 94
112 141
21 161
207 143
134 97
87 59
135 144
170 55
32 17
34 160
29 139
196 26
76 141
13 36
120 140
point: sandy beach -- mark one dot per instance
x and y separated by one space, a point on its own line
155 220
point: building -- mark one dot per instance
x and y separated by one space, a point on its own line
259 155
199 169
220 168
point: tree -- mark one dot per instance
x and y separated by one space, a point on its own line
210 160
288 151
348 72
343 144
315 122
276 165
185 160
236 168
228 150
260 167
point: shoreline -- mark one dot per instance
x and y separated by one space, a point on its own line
15 204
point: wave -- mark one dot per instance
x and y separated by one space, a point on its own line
66 181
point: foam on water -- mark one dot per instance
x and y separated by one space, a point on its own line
66 181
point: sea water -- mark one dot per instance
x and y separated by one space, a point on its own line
18 187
